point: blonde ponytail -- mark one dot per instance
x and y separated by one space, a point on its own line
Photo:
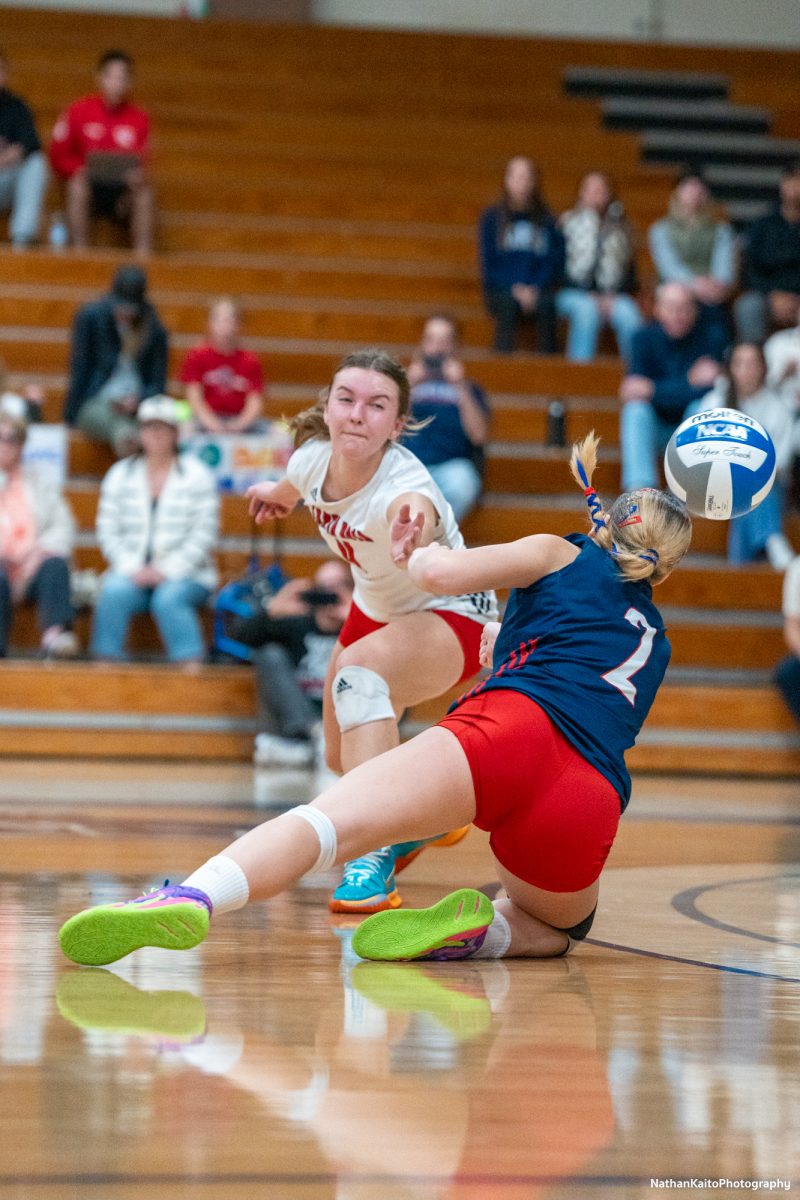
647 531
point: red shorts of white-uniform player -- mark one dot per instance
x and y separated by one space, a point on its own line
468 632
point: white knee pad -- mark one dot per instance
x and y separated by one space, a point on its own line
325 830
360 696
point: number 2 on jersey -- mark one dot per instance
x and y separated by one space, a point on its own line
622 676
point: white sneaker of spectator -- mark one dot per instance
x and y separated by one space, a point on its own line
60 643
273 751
779 551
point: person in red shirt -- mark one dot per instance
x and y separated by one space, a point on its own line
224 383
85 138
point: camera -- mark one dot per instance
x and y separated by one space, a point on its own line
319 598
433 363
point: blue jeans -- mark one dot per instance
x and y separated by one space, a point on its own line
459 482
585 322
173 606
22 191
643 437
747 535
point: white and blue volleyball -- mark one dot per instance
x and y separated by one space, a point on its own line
721 463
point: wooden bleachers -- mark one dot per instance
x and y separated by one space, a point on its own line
341 206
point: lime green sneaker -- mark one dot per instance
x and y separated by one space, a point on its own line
175 918
453 928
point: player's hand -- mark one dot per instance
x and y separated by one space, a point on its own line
488 639
261 505
405 535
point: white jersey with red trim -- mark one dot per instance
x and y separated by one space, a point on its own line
357 529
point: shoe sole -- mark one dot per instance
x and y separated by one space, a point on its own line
411 933
373 904
447 839
104 934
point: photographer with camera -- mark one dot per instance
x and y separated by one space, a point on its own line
457 412
293 639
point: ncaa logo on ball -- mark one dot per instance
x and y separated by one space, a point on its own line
720 462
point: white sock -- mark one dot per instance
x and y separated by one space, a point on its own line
223 881
497 940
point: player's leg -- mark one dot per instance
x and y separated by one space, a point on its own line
415 657
424 786
330 726
411 659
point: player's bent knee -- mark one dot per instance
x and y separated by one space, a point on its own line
360 696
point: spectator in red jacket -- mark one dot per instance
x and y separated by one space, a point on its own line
91 141
224 383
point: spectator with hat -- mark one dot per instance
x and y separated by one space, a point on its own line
100 150
118 358
157 525
23 167
37 531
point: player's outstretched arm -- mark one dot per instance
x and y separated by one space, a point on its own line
267 501
445 572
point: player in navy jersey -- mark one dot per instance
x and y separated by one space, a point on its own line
534 755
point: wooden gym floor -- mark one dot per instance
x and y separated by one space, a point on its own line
267 1063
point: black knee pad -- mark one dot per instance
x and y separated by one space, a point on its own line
578 932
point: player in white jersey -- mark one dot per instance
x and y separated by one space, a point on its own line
400 645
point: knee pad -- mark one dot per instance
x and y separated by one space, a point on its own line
577 933
325 830
360 696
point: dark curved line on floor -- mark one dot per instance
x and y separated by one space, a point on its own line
691 962
685 903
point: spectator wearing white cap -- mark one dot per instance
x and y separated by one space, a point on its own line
157 525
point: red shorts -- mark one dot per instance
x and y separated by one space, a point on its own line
468 632
550 814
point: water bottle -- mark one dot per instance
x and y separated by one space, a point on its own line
556 424
59 234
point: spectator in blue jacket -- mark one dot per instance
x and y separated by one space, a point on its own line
522 259
118 358
457 411
674 361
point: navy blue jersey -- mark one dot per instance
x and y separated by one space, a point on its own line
590 648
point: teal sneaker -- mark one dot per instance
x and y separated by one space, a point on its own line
175 918
368 884
454 928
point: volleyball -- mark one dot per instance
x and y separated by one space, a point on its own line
721 463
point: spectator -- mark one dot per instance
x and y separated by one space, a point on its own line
224 382
118 357
690 246
761 530
293 641
36 536
23 168
771 271
24 405
674 361
787 675
599 274
157 526
782 352
100 149
455 412
522 259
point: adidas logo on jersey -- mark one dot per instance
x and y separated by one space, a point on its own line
343 686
